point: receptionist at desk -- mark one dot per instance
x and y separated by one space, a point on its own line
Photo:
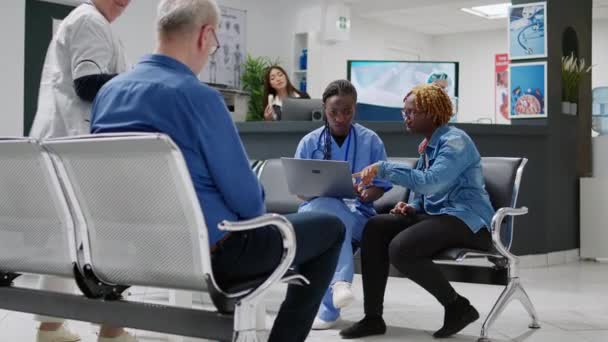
277 87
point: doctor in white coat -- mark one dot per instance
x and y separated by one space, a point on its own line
83 55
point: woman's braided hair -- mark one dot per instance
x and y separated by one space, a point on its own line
432 99
335 88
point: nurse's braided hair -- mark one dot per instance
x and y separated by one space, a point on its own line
432 99
335 88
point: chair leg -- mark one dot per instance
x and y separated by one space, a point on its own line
183 299
514 290
523 297
503 300
246 322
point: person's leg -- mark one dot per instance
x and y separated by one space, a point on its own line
52 328
339 293
53 284
412 251
256 253
377 235
320 240
336 207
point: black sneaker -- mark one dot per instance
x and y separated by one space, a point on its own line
457 316
369 325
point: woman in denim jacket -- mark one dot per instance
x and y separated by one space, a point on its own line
450 208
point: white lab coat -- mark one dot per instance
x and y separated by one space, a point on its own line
83 45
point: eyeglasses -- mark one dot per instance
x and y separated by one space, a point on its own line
217 47
409 113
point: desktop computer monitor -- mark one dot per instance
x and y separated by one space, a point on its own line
302 109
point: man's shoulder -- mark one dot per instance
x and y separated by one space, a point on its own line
201 88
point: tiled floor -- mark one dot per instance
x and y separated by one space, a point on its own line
572 302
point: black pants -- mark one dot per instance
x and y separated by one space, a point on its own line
258 252
409 243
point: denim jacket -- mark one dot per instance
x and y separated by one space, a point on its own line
447 179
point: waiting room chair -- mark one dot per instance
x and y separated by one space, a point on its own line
502 178
36 227
137 209
278 198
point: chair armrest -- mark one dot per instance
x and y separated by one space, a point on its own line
289 245
499 216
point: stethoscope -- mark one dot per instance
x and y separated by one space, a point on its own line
352 132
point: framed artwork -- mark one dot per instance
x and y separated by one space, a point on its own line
501 88
528 90
528 31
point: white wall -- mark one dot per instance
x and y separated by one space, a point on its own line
268 25
12 36
371 40
475 53
600 53
271 26
368 40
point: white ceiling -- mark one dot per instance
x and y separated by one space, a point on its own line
438 17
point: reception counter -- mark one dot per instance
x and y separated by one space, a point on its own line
551 225
275 139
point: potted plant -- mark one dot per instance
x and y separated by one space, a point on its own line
573 69
253 82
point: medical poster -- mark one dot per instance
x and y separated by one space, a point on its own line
528 90
528 31
501 88
226 65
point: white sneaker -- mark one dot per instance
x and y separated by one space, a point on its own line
320 324
60 335
125 337
342 294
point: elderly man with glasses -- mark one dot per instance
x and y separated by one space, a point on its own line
163 94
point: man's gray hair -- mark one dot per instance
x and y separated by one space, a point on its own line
182 16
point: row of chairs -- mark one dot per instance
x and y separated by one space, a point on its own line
113 211
502 178
119 210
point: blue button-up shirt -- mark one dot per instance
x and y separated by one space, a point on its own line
447 179
163 95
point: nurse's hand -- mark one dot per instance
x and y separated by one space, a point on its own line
368 174
269 113
370 194
404 209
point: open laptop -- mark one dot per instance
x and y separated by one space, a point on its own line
318 178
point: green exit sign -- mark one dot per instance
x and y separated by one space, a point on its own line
343 23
